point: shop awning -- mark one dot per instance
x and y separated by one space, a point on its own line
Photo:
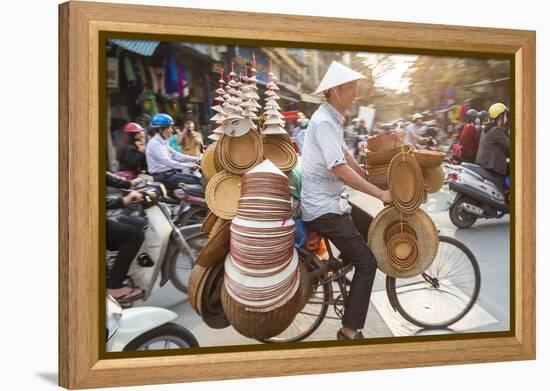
145 48
309 98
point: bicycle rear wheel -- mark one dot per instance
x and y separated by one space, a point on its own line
444 293
311 316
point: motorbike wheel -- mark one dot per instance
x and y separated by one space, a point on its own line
195 215
181 264
459 217
167 336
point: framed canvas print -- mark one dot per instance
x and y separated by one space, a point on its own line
249 195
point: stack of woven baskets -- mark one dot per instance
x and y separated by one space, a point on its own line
381 149
402 237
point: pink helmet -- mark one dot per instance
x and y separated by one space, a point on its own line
132 127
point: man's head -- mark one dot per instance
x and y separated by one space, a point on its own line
499 114
162 123
342 96
339 86
417 119
189 125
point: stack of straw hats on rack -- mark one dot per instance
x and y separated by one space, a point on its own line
260 293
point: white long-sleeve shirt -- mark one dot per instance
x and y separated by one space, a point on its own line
161 157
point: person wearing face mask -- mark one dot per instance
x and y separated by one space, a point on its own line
164 163
469 137
327 167
494 144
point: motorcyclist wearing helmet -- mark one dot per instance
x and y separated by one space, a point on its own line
494 144
164 163
469 138
414 131
131 152
484 121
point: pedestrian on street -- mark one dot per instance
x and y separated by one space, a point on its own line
190 139
327 167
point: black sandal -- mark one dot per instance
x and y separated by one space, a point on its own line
341 335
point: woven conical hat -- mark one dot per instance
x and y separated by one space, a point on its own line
336 75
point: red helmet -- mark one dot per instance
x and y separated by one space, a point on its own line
132 127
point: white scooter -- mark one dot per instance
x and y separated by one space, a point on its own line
167 250
144 328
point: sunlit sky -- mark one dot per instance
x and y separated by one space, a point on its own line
394 76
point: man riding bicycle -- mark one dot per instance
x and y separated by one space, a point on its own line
327 166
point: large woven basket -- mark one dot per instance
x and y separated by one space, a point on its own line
238 155
384 157
222 194
434 178
260 325
425 234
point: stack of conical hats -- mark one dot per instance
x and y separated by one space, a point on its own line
260 293
277 145
219 115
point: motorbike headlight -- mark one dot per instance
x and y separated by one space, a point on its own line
114 314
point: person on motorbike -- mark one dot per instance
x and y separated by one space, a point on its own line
164 163
494 145
124 235
414 131
484 121
131 153
469 138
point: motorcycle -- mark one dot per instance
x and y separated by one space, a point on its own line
144 328
474 194
188 203
168 250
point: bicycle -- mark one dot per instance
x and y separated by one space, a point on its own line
420 300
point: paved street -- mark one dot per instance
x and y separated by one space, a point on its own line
488 240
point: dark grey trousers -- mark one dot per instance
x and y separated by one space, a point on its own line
351 242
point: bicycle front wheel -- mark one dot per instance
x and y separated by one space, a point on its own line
444 293
312 315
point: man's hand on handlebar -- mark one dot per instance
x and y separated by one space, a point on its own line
133 197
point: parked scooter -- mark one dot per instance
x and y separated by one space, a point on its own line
473 194
144 328
168 250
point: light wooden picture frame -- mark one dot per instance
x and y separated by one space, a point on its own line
81 28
